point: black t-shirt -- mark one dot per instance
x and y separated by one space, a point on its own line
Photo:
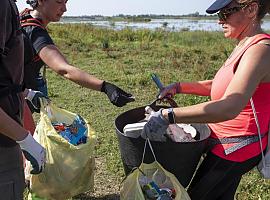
37 38
11 62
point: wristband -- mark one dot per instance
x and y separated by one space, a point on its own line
171 116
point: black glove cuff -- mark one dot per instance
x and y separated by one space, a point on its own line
103 87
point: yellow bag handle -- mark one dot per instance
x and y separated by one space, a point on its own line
147 141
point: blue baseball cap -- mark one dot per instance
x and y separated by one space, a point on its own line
217 5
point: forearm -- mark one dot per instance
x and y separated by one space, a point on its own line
202 88
208 112
11 128
58 63
82 78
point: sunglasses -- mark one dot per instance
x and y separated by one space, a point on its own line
225 13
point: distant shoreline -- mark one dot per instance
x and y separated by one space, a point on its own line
194 16
185 23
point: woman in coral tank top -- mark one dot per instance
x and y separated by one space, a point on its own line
245 74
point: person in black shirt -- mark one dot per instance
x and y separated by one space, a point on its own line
42 51
13 137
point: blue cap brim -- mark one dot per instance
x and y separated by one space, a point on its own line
217 5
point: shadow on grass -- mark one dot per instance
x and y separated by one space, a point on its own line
106 197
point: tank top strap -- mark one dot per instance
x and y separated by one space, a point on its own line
254 40
235 59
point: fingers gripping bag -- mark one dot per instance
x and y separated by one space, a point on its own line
152 181
69 168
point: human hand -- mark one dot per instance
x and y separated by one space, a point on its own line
33 152
33 101
117 96
156 127
170 90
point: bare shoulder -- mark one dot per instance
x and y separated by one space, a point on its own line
257 58
259 52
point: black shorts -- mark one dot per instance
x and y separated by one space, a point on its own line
12 182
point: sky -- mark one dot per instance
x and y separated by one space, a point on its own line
131 7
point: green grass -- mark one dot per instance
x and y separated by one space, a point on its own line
127 58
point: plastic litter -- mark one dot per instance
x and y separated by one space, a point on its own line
75 133
134 130
176 132
153 191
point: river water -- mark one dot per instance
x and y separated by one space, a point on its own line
169 24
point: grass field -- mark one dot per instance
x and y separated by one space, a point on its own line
127 58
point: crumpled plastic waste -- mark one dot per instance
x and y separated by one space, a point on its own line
157 188
75 133
176 132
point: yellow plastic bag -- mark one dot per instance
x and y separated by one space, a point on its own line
69 169
131 187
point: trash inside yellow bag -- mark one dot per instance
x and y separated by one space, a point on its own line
151 175
69 169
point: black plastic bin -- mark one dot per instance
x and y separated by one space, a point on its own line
181 159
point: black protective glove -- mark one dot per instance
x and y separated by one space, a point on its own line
32 100
117 96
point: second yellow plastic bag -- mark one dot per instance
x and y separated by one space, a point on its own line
69 169
131 187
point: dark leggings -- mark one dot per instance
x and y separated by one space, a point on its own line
218 179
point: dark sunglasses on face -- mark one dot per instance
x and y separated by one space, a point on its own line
225 13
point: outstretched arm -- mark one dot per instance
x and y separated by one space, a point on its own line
252 70
201 88
58 63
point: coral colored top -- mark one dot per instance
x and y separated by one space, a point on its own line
244 124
